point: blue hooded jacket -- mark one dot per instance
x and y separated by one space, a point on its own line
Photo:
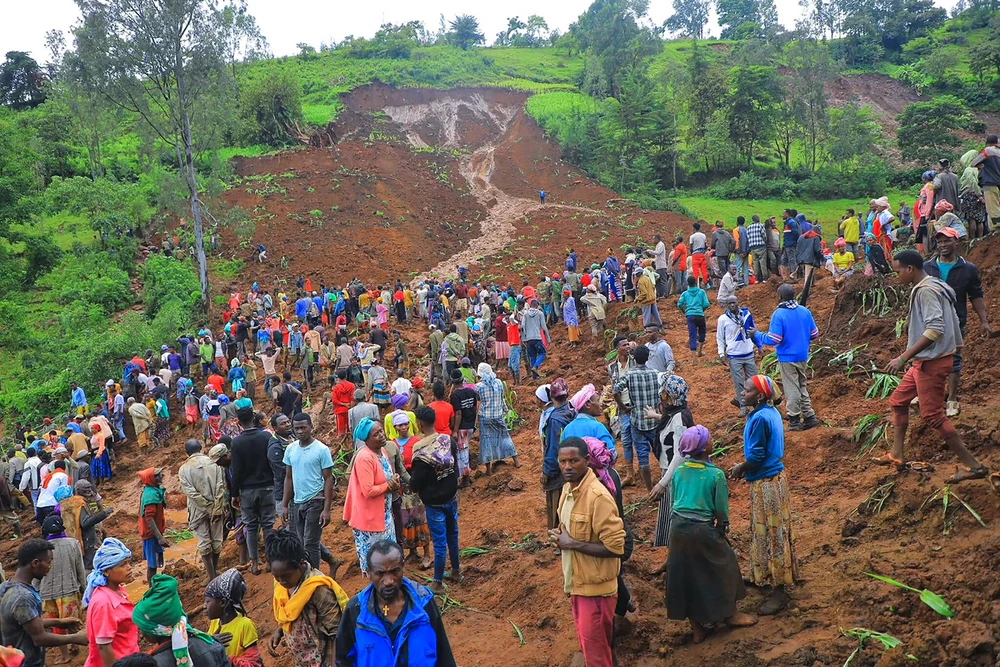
362 640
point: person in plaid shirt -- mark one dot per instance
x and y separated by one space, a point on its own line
757 244
643 388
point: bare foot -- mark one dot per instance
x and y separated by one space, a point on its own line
437 587
741 620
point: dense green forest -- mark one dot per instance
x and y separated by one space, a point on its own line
109 135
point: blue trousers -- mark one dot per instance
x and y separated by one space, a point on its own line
442 521
696 330
536 354
742 270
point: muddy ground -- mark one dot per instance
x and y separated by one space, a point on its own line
457 173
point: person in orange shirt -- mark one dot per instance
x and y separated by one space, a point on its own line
343 399
679 265
528 291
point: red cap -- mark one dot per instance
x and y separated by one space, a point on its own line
948 231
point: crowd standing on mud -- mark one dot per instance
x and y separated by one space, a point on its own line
413 427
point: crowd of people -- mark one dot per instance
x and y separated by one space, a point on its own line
412 426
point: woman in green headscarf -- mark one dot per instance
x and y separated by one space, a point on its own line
971 204
161 619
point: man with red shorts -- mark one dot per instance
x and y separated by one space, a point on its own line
699 257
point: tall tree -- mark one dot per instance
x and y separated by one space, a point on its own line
753 96
465 32
617 33
853 131
926 130
689 18
156 58
811 69
735 15
22 82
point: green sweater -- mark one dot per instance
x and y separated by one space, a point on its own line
694 301
700 492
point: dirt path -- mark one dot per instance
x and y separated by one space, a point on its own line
497 229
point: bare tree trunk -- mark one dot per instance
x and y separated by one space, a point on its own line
192 181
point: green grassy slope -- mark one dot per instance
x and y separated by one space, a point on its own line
328 75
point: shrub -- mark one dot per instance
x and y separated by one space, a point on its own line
269 107
90 280
167 279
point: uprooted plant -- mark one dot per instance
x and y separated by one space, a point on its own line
884 384
928 597
945 494
869 431
863 635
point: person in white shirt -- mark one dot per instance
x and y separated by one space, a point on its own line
31 476
736 346
660 265
46 503
727 286
401 385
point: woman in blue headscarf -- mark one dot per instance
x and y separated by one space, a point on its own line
110 628
368 506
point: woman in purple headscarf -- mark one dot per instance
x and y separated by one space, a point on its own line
703 576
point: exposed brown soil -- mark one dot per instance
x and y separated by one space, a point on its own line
499 163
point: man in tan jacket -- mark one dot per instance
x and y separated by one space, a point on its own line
203 481
591 536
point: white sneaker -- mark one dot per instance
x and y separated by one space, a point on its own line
952 409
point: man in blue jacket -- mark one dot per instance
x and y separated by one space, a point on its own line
394 620
792 331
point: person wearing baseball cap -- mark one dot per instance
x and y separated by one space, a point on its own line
963 277
934 335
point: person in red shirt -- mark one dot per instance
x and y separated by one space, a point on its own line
514 343
443 409
152 522
216 381
343 399
679 265
399 301
528 291
140 362
586 279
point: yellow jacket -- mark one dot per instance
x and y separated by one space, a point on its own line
645 291
594 519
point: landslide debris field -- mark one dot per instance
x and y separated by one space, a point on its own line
421 181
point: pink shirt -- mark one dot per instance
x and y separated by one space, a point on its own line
109 616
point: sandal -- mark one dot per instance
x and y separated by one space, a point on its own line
994 480
963 474
918 466
888 459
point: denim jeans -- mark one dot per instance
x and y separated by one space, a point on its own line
305 523
643 443
626 423
742 270
514 362
536 354
257 511
442 520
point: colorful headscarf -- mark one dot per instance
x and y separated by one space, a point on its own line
943 205
111 553
230 587
694 441
152 492
559 388
766 386
399 418
364 429
675 387
399 401
881 202
599 459
160 614
581 397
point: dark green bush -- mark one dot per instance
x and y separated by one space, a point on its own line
167 279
